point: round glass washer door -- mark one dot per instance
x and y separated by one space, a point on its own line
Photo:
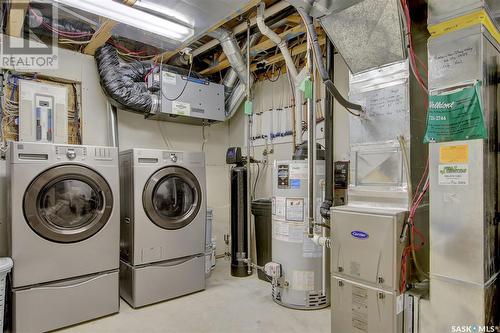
68 203
172 197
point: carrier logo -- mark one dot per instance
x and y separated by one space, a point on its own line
359 234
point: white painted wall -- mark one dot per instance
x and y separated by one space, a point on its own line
284 151
135 131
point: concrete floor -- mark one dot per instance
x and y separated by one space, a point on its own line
227 305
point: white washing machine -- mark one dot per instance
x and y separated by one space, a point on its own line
63 214
163 218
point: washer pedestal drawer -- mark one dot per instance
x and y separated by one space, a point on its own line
55 305
152 283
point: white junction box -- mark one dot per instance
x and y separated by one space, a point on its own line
43 112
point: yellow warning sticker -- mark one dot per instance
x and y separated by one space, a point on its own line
454 154
465 21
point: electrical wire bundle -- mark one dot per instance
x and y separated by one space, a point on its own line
414 59
65 36
423 186
130 55
10 110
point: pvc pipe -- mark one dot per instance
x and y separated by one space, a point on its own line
282 5
282 44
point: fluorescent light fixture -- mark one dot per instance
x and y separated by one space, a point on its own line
153 7
133 17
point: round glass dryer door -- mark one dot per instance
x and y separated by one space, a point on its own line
68 203
172 197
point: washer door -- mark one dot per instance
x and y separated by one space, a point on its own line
68 203
172 197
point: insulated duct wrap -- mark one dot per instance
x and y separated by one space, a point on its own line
124 83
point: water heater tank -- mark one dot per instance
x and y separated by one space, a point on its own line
304 283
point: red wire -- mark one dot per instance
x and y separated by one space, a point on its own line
69 34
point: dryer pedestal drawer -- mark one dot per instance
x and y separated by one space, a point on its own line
152 283
54 305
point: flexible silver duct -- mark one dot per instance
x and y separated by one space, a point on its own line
233 53
234 94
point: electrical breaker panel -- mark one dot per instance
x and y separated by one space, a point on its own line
43 112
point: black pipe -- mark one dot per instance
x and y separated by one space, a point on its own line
124 82
330 87
329 101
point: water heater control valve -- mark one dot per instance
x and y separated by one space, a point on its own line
273 270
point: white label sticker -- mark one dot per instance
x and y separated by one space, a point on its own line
169 78
295 209
453 174
400 304
298 171
292 232
279 208
181 109
302 280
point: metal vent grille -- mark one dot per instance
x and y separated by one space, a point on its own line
316 300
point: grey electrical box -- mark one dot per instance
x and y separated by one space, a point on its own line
365 245
366 269
189 99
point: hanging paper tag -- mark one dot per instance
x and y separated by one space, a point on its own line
248 107
456 116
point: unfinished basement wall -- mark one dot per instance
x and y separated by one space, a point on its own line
136 132
284 151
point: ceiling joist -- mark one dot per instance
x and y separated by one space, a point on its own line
299 49
166 56
261 47
104 33
17 14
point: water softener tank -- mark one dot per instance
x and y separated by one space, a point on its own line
239 221
304 281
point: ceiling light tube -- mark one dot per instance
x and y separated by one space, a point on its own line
133 17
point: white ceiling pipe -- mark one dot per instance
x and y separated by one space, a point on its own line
282 44
282 5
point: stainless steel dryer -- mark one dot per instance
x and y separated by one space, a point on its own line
163 218
63 234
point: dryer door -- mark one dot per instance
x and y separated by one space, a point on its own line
68 203
172 197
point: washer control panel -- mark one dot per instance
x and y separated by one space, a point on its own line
71 152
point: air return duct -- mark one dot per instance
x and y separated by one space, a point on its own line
367 33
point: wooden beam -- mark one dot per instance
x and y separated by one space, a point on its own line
104 33
299 49
169 54
17 14
262 46
294 19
